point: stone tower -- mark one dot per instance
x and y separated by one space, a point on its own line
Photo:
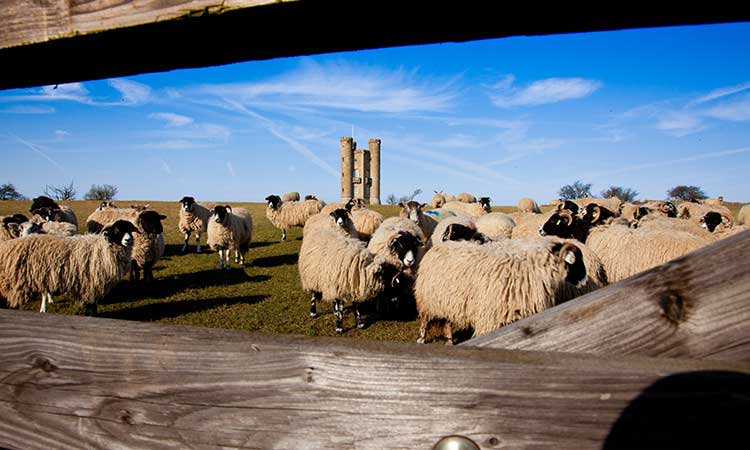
360 171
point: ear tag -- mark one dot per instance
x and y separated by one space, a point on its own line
570 258
558 222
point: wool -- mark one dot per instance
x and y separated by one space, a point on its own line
293 214
471 209
743 216
465 197
390 228
101 217
235 233
321 220
694 211
290 197
496 226
195 219
528 224
413 211
437 235
366 221
611 203
528 205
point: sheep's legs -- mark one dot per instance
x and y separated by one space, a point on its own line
283 234
46 298
448 332
135 272
239 258
423 323
184 247
148 275
338 309
358 317
197 241
313 304
221 258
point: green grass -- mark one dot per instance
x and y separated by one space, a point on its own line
265 296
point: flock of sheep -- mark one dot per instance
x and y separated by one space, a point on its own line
464 265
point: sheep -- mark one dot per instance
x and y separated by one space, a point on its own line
338 268
719 226
719 201
611 203
230 230
465 197
694 211
194 217
339 219
625 251
529 206
564 224
54 228
66 212
413 211
310 197
440 214
527 224
449 197
438 200
743 216
84 267
290 214
567 204
496 226
500 282
473 209
366 221
10 226
352 205
631 211
148 246
102 217
454 228
290 197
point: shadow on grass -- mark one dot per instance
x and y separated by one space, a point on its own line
260 244
164 287
277 260
165 310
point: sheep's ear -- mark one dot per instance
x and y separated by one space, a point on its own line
423 205
447 233
402 204
596 214
229 208
162 217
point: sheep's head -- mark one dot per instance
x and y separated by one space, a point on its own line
310 197
105 205
29 228
220 213
485 203
594 214
560 224
438 200
572 257
120 233
712 219
569 205
668 209
354 204
15 218
187 203
49 214
412 210
461 232
341 217
41 202
150 222
405 245
273 201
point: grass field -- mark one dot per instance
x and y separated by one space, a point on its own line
265 296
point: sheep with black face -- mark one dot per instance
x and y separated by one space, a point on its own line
61 213
149 244
338 219
193 219
285 215
230 229
413 211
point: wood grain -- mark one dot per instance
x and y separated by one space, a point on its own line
58 41
697 306
73 382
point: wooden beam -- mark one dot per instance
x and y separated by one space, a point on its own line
70 382
58 41
697 306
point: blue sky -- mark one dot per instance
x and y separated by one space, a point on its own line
646 109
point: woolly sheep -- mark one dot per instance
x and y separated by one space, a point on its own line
66 212
527 224
528 205
352 205
339 219
719 226
496 226
102 217
625 251
84 267
413 211
663 207
694 211
382 244
194 217
338 268
54 228
743 216
473 209
449 197
230 230
10 226
631 211
149 244
500 282
285 215
465 197
718 201
442 234
366 221
440 214
611 203
290 197
438 200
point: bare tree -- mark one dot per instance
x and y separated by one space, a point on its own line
101 192
9 192
578 189
68 192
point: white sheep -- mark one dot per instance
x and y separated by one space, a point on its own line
465 197
695 211
413 211
719 226
528 205
290 197
473 209
194 218
438 200
407 254
366 221
285 215
496 226
612 203
84 267
460 227
103 216
488 286
718 201
54 228
338 268
339 219
230 230
62 213
528 224
149 244
743 216
10 226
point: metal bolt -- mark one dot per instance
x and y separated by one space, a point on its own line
455 443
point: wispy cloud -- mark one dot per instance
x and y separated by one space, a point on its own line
28 109
735 112
230 169
172 119
721 92
680 123
38 149
340 86
132 92
173 144
165 167
550 90
128 93
61 134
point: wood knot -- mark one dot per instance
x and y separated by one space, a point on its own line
44 364
493 441
125 417
309 374
673 306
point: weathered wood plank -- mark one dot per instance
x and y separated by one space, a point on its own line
73 382
58 41
697 306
